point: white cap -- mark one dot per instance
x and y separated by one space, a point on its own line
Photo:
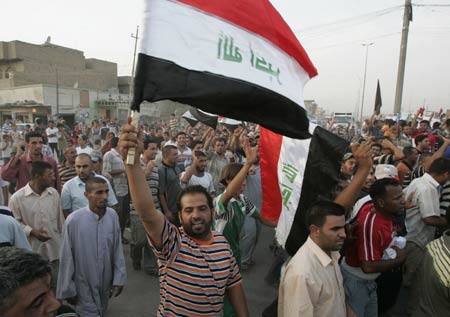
385 171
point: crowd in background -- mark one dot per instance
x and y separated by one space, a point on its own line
387 254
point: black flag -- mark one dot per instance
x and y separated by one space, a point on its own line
378 102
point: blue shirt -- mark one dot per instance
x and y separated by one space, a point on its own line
11 233
72 195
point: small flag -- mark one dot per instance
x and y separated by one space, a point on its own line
206 118
230 124
295 173
235 58
190 118
378 102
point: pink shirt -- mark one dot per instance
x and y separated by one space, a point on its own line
22 171
43 211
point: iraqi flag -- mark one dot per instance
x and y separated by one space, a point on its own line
235 58
294 174
190 118
206 118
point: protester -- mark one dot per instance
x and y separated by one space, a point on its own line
12 234
364 258
37 207
312 282
194 240
196 174
422 219
72 196
139 248
19 166
432 283
25 284
114 166
92 265
66 169
169 183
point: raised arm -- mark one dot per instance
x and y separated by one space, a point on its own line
141 195
236 183
363 155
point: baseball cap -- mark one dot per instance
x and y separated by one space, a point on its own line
385 171
347 156
96 156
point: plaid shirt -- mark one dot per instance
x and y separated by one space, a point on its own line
113 161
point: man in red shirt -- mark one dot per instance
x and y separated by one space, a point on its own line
19 167
364 260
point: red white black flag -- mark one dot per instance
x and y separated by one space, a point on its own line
235 58
294 174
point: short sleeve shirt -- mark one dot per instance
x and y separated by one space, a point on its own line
230 219
194 275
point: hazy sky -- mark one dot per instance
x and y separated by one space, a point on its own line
331 32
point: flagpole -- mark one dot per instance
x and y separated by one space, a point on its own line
367 45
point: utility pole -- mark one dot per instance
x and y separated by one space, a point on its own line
57 92
407 17
136 37
367 45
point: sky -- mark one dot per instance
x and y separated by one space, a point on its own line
332 32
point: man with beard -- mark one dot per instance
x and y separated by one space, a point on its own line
312 282
72 196
19 167
198 265
92 265
196 174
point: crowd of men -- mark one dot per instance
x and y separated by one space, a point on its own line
191 202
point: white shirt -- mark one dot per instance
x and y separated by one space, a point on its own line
312 284
87 150
43 211
426 204
50 131
205 181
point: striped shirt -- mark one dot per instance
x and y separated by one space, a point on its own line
66 173
194 275
384 159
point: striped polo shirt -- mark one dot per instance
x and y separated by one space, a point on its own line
194 275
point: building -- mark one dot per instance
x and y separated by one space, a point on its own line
48 80
23 64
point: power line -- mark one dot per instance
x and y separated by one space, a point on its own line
364 18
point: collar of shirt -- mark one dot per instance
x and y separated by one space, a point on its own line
80 182
114 151
324 258
431 180
28 157
29 191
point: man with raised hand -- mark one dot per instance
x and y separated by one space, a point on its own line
214 271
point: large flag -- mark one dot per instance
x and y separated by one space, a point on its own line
378 102
295 173
235 58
